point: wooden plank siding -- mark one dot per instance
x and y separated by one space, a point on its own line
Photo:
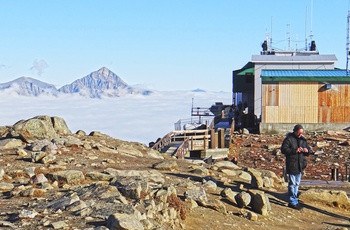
305 102
334 104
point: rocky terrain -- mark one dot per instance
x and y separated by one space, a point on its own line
51 178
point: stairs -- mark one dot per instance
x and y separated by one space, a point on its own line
171 148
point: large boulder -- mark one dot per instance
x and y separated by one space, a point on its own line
10 143
39 128
60 126
336 198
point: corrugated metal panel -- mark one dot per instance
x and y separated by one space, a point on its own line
303 73
326 76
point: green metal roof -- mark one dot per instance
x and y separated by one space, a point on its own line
246 71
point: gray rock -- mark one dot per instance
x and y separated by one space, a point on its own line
231 172
229 195
39 179
49 159
28 214
21 152
80 133
76 206
6 186
245 176
267 182
69 141
7 224
200 170
148 175
36 128
226 165
243 199
123 221
214 204
131 187
260 202
10 143
68 176
59 224
196 193
331 197
60 126
126 150
257 180
64 201
30 171
169 165
154 154
248 214
97 176
2 173
210 185
96 134
38 156
39 145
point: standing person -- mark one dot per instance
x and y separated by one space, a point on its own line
295 148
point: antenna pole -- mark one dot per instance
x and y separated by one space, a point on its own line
311 20
347 44
271 35
305 29
288 36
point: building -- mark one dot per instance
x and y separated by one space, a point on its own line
283 88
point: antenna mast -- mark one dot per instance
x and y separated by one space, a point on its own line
271 35
288 36
347 45
311 21
305 29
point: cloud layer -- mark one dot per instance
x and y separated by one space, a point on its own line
131 118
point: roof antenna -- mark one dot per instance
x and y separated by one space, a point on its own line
271 35
305 29
347 45
288 36
311 20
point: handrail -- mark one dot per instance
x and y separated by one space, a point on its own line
182 149
185 136
166 140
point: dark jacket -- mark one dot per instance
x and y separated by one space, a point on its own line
295 162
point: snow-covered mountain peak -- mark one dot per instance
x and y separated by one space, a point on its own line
27 86
100 83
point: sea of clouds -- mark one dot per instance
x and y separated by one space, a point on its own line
137 118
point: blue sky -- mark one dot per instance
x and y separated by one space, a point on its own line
159 44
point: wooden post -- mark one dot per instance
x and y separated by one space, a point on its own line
221 134
212 139
205 140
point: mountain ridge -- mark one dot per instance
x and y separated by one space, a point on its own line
27 86
97 84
